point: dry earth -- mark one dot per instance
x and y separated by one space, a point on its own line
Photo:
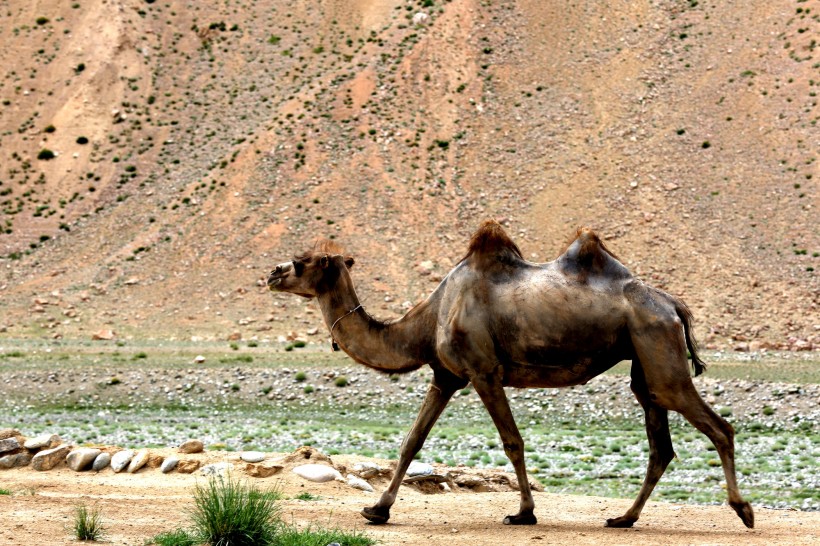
139 506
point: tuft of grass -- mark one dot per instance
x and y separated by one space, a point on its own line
306 496
177 537
87 524
5 491
228 512
317 536
341 381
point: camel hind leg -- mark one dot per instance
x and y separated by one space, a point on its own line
661 349
660 447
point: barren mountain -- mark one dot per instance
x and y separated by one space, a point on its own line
157 158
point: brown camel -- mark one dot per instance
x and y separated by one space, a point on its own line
499 321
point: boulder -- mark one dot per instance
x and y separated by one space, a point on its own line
263 470
188 466
317 473
9 444
192 446
121 459
169 464
417 468
9 433
49 458
81 458
101 462
43 441
139 460
15 460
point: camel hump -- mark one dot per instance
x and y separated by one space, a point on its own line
587 252
490 244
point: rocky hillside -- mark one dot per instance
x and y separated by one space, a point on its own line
158 157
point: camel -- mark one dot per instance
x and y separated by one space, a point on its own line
497 320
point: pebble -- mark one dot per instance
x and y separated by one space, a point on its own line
101 462
81 458
169 464
317 473
121 459
252 456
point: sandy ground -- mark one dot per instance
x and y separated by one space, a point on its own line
136 507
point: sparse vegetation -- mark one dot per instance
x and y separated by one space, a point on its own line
87 524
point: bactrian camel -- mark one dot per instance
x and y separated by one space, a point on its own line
498 320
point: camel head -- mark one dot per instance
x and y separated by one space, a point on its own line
310 274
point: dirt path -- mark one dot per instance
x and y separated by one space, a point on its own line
136 507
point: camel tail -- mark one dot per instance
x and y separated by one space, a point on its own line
685 316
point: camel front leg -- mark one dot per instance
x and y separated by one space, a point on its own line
491 392
436 400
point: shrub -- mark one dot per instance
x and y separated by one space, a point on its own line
82 140
42 20
230 512
50 129
300 376
87 524
45 154
178 537
341 381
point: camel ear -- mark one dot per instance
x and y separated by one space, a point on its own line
324 261
349 261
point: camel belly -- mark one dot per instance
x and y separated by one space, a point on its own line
555 371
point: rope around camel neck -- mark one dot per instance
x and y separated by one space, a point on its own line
340 318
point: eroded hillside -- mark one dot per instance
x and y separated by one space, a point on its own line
158 157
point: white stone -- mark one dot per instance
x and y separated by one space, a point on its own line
46 441
81 458
317 473
169 464
101 462
419 469
252 456
358 483
120 459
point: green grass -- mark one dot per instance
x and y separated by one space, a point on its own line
87 524
5 491
230 512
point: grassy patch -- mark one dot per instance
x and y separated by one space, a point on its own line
87 524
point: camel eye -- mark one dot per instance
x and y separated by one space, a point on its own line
298 268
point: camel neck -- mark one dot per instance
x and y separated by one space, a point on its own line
391 347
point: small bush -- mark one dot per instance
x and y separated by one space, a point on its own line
5 491
87 524
82 140
341 381
50 129
42 21
178 537
308 389
299 343
300 376
230 512
45 154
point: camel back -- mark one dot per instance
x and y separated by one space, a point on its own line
491 244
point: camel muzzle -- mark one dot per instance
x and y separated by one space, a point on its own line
279 272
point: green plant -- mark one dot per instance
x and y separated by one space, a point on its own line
45 154
300 376
87 523
341 381
306 496
5 491
177 537
228 512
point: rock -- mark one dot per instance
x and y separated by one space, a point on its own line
49 458
6 433
317 473
139 460
169 464
101 462
43 441
192 446
366 469
235 336
420 18
419 469
188 466
103 335
82 458
358 483
9 444
470 480
307 453
263 470
199 359
15 460
121 459
421 478
252 456
217 469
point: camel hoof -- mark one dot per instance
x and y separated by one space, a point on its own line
620 523
376 516
521 519
745 512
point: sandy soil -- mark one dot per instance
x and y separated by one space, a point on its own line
139 506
